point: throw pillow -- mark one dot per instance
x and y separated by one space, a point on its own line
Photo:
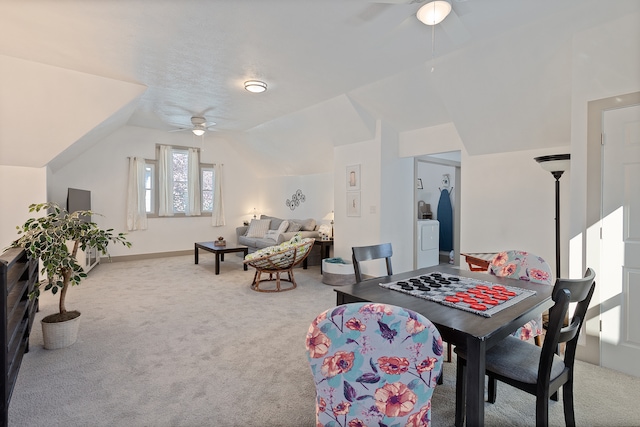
284 225
309 224
294 226
258 228
275 222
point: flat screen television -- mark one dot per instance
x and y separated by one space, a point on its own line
79 200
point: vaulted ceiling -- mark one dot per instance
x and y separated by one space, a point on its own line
499 70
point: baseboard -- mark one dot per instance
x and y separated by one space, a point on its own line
146 256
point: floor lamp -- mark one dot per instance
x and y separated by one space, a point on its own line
556 164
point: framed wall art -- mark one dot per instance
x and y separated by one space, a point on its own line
353 203
353 178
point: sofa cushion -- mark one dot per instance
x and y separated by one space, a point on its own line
274 234
275 222
308 224
294 226
258 228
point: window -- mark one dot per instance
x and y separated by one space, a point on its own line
206 187
178 182
149 186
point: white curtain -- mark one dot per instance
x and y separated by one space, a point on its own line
165 190
136 208
217 216
193 179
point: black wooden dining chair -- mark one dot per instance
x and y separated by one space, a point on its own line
538 371
367 253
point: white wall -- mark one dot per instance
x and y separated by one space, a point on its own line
365 229
397 219
597 73
19 187
508 202
317 189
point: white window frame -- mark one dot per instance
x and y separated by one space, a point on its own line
153 192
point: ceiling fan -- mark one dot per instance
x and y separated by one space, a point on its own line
199 126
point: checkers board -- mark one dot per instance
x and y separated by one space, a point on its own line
472 295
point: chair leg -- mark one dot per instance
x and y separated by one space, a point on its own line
461 391
492 389
449 347
567 402
542 411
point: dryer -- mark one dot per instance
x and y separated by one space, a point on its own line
428 243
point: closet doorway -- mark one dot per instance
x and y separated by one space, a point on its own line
437 192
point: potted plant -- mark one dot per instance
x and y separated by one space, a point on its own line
55 239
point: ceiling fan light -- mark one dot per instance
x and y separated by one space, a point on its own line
198 132
434 12
255 86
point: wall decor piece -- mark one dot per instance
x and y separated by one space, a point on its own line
353 177
419 184
353 203
296 199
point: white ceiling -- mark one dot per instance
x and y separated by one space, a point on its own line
501 71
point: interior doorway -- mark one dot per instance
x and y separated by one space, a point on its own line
613 213
437 179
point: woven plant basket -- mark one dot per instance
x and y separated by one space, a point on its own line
60 334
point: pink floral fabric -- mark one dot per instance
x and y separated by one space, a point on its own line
373 365
523 266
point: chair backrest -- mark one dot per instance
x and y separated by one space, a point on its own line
566 291
521 265
373 362
366 253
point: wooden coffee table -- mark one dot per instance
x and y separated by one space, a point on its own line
220 251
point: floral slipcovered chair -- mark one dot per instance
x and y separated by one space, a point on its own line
373 365
523 266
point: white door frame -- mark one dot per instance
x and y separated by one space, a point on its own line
456 211
591 351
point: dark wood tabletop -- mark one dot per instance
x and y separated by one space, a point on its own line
459 327
219 251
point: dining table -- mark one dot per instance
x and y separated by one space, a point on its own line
458 327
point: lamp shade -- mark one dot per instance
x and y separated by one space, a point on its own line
554 162
434 12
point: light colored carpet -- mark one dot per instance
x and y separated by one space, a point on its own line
164 342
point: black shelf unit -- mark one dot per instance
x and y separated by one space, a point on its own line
18 276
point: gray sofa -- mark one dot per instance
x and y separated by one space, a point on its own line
309 229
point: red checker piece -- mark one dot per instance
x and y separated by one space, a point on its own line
491 292
463 295
498 288
470 300
482 287
491 302
480 307
475 291
501 297
509 293
451 298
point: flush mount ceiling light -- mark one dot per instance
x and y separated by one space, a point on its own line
198 131
434 12
255 86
